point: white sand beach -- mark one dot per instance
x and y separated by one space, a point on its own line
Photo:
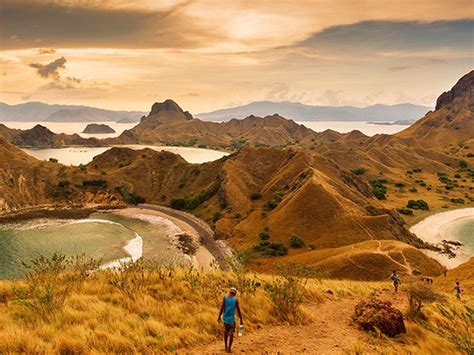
433 229
203 259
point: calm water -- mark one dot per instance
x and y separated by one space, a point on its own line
345 127
84 155
103 236
464 232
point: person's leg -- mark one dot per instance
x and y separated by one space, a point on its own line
226 336
231 340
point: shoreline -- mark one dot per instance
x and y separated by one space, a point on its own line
209 251
433 229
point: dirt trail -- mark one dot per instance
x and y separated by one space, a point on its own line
331 332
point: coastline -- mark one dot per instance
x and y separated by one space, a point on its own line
433 229
210 253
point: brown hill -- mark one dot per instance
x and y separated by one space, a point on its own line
453 120
168 124
41 137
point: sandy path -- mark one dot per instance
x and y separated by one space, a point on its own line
331 332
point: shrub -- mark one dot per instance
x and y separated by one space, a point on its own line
129 197
462 164
405 211
255 196
413 189
264 234
418 295
53 160
457 200
359 171
267 248
378 188
216 216
399 184
82 167
296 242
178 203
63 183
94 183
270 204
418 205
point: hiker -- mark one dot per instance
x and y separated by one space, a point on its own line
396 280
229 304
457 290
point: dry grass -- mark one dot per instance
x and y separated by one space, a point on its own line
146 308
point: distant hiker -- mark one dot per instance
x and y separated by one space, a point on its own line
457 290
229 304
396 280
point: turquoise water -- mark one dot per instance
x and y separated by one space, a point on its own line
464 232
101 236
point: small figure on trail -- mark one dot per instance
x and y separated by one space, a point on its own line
396 280
229 304
457 290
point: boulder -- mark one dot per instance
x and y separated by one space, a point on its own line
374 314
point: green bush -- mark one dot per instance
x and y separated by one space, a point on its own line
53 160
399 184
178 203
462 164
296 242
63 183
418 205
405 211
457 200
359 171
267 248
216 216
378 188
94 183
255 196
129 197
264 234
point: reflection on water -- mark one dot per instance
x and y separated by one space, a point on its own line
102 236
368 129
84 155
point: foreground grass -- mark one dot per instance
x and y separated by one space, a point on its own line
145 308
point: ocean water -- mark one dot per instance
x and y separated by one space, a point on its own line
463 231
84 155
107 237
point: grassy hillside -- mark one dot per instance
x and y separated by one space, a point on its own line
145 308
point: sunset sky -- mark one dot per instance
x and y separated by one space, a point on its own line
207 55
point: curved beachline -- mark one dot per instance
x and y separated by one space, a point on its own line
433 229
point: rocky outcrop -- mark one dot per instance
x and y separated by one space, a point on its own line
464 87
171 106
375 314
98 129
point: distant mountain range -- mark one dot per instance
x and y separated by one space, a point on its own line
41 112
301 112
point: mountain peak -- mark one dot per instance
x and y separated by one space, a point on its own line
464 87
170 106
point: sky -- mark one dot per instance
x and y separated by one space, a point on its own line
212 54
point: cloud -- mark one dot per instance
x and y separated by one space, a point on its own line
46 50
75 24
400 68
51 70
388 37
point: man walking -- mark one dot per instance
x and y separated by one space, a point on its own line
229 304
396 280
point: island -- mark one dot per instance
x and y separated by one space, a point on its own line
98 129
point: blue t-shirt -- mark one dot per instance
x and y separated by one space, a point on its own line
229 309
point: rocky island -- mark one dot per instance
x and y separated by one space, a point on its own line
94 128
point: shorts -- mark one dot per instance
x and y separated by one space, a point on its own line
229 328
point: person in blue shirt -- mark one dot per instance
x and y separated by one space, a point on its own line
229 304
